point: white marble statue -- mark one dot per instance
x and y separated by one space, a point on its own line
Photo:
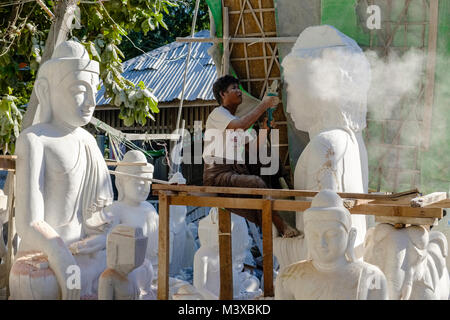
206 259
413 260
332 272
182 241
327 78
3 244
131 208
62 179
126 251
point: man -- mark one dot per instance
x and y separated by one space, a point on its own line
224 158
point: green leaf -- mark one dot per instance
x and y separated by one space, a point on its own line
151 24
141 85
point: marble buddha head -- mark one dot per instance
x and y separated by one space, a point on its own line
132 188
66 86
327 77
328 229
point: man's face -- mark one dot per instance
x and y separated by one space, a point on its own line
233 95
327 240
74 98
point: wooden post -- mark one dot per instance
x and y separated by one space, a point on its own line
163 246
225 255
267 248
226 42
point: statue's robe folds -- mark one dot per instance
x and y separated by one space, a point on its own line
332 160
86 188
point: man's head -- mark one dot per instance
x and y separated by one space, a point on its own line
67 84
226 90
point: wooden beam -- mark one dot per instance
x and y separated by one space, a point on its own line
225 255
431 73
163 246
132 136
226 43
221 202
267 248
8 162
428 199
298 205
277 193
241 39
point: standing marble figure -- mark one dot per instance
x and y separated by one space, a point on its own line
62 180
327 78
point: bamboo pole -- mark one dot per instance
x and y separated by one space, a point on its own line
163 247
225 255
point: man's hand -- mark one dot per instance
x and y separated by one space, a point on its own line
265 126
270 101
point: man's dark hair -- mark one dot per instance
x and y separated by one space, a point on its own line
221 85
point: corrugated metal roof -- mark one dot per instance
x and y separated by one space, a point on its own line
162 70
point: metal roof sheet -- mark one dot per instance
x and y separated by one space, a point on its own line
162 70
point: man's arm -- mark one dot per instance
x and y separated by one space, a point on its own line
30 218
250 118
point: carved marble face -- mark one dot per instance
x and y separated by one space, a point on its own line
327 240
73 100
135 189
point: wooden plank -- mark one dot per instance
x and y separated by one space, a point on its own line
267 248
125 164
431 73
407 220
223 202
225 255
226 42
428 199
397 211
277 193
298 205
241 39
163 246
8 162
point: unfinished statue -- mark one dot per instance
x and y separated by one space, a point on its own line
63 179
327 78
206 259
332 273
126 250
413 260
131 209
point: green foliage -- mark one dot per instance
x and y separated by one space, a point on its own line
179 22
24 29
10 121
21 44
